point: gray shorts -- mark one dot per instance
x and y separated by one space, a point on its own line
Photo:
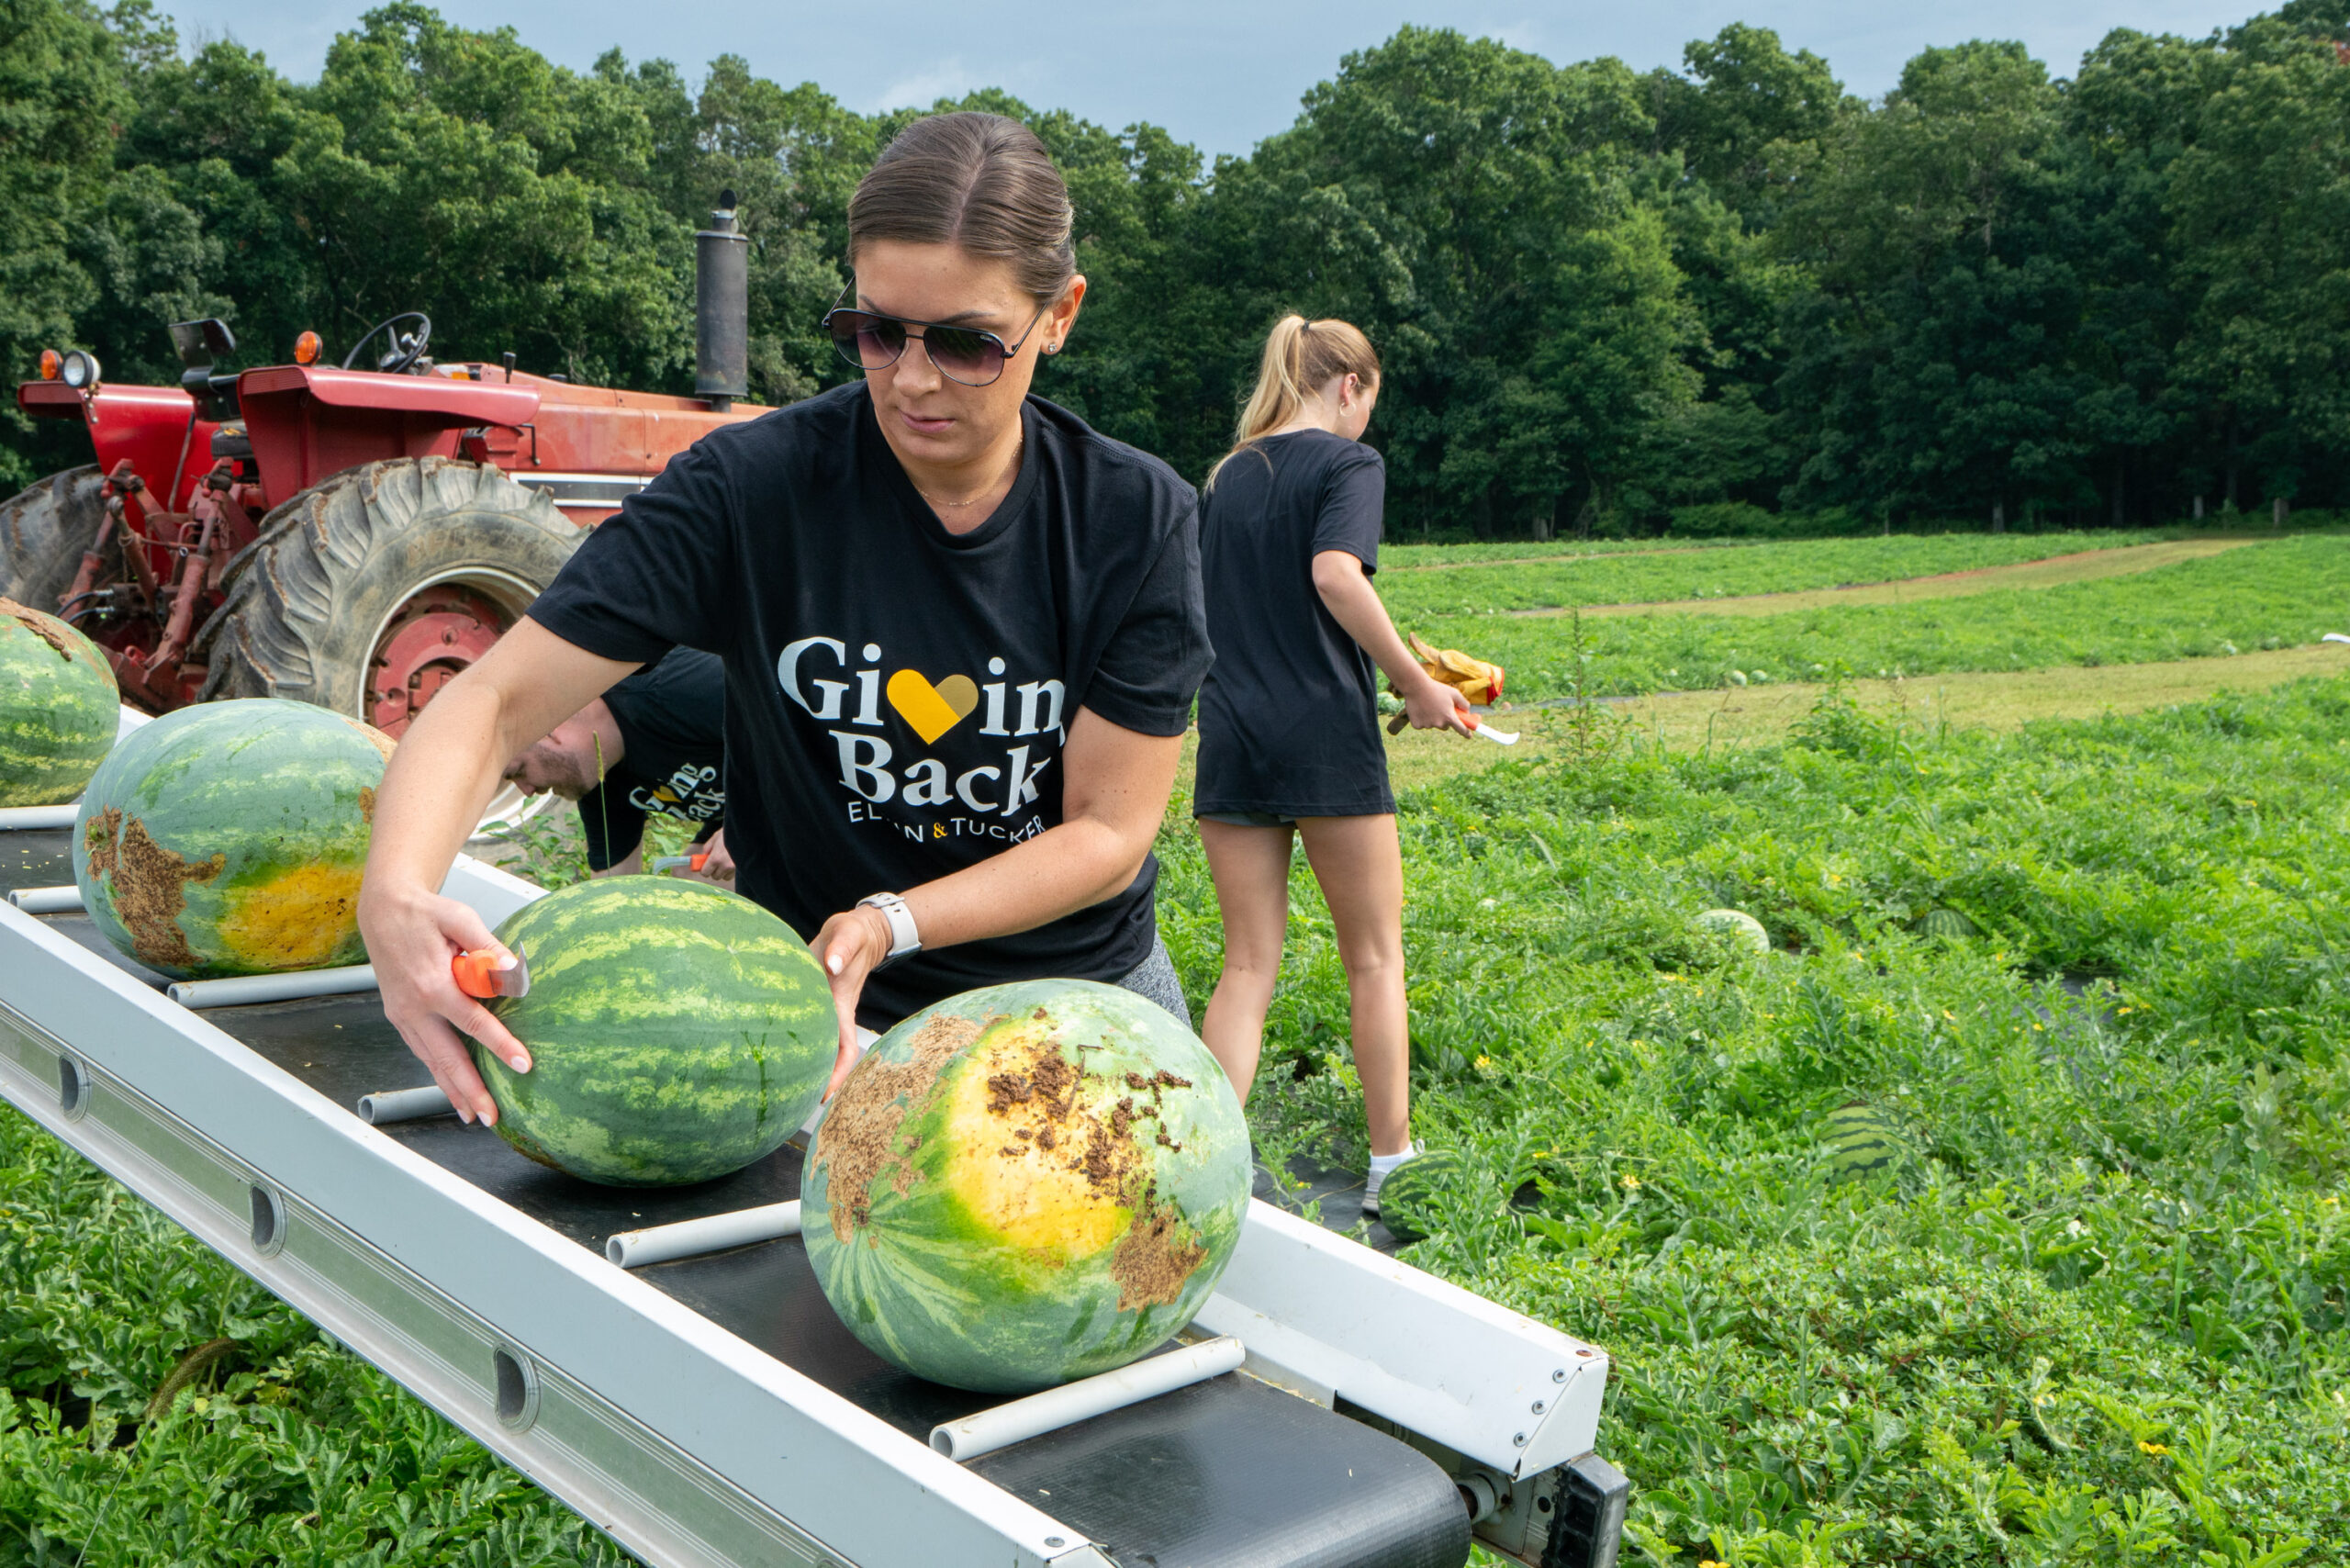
1155 978
1247 819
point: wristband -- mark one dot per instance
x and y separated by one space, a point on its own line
904 937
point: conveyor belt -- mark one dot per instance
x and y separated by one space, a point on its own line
1230 1473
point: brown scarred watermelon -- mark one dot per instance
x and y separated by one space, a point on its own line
1025 1184
228 838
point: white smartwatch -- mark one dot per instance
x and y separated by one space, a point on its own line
904 937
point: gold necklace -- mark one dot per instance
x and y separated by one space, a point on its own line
1010 467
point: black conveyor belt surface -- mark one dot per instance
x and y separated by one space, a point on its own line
1229 1473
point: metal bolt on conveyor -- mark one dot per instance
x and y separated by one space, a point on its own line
988 1431
245 991
31 817
387 1105
711 1233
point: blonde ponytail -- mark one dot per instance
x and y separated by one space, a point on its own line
1300 357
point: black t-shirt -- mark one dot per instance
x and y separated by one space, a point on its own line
1289 718
672 719
897 696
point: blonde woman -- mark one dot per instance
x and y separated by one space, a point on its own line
1289 719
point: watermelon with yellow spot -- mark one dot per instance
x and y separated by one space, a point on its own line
676 1033
58 708
1025 1184
228 838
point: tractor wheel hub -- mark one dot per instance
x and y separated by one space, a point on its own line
436 634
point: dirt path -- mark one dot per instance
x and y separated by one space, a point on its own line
2082 566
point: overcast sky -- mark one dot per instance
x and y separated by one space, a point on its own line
1220 74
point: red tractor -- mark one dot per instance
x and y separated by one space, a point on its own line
350 537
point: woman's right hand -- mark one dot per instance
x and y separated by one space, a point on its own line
1432 705
411 936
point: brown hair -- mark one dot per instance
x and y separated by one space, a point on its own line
977 181
1300 357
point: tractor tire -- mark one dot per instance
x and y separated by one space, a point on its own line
306 605
44 531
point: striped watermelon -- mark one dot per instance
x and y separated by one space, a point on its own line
58 708
228 838
1864 1141
676 1033
1410 1200
1025 1184
1737 926
1944 922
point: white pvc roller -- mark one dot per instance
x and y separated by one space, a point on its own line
403 1105
244 990
47 900
1086 1398
715 1233
29 817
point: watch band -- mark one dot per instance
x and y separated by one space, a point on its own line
904 937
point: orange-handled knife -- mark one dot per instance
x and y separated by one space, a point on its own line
1499 737
480 974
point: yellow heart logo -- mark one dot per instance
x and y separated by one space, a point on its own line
932 709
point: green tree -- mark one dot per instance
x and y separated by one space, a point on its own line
2261 199
62 93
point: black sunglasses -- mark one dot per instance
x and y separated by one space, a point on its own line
965 355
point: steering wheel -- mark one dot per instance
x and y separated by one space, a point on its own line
403 349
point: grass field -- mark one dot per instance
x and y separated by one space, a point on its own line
2099 1313
2266 596
1722 572
2096 1312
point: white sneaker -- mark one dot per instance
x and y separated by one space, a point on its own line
1379 1177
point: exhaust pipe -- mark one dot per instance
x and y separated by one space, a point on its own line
722 310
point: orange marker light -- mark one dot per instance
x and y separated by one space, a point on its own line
52 364
306 349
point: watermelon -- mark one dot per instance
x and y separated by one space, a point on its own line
1409 1203
1863 1139
58 708
676 1033
1737 926
1024 1185
1944 922
228 838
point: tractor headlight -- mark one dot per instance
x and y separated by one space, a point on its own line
80 371
51 361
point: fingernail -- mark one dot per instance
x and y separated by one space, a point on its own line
834 964
465 1116
519 1064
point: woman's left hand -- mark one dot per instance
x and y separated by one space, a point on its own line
850 947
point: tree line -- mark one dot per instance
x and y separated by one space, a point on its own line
1711 298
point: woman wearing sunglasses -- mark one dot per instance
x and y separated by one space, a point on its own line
961 632
1288 725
